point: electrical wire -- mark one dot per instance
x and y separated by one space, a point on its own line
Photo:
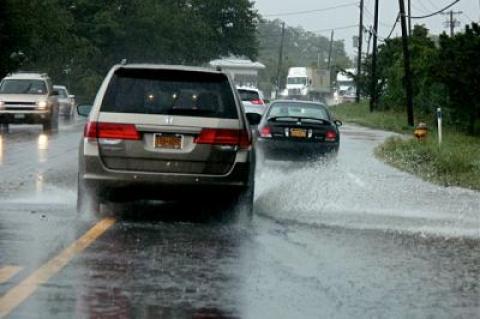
436 12
393 28
424 7
337 28
373 17
468 17
432 4
286 14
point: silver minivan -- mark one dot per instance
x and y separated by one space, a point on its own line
166 132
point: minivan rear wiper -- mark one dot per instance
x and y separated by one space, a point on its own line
194 112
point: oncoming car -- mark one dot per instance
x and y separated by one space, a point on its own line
66 101
28 98
168 133
298 129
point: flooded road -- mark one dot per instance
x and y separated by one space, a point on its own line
347 237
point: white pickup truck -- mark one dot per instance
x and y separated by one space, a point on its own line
28 98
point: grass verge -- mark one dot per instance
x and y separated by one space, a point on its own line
455 163
360 114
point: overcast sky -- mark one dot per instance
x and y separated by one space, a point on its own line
347 16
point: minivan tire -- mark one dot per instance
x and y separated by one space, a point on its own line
244 202
87 200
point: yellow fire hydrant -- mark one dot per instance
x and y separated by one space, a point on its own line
421 131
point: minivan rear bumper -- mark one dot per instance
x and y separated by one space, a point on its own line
131 184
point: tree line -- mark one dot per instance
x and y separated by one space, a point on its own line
77 41
445 73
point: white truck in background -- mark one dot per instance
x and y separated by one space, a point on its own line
308 83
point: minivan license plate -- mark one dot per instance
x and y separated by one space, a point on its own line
173 142
19 116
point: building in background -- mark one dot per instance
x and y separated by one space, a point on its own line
244 72
345 88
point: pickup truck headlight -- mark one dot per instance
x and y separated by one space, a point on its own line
42 105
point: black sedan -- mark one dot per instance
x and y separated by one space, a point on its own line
298 129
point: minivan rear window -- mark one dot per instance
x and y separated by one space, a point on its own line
170 92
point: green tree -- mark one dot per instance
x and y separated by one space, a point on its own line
458 67
77 41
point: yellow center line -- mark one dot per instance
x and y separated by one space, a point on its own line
18 294
8 272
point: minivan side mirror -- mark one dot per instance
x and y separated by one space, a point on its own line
84 109
253 118
338 123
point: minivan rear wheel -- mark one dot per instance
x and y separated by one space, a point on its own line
87 200
243 203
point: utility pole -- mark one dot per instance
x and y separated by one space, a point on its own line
406 59
370 34
330 57
452 22
409 17
330 51
373 88
359 59
280 61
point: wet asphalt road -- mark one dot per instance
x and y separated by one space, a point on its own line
338 238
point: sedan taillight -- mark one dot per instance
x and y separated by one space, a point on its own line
330 136
257 102
117 131
266 132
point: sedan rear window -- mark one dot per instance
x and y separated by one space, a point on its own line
298 110
170 92
247 95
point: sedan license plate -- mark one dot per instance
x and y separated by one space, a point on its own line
19 116
173 142
298 132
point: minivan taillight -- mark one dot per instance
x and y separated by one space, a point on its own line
117 131
224 137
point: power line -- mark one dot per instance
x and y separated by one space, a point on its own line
393 27
337 28
292 13
437 12
468 17
372 16
424 8
452 22
432 4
